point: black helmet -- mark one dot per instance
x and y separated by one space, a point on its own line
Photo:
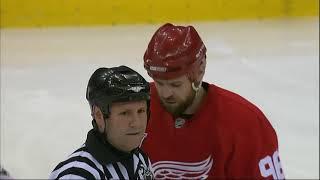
117 84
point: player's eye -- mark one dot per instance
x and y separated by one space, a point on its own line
123 113
142 110
176 84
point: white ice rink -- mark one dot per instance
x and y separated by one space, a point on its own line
44 73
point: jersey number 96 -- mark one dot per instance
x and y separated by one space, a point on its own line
271 166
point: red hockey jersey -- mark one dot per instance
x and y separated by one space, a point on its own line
228 137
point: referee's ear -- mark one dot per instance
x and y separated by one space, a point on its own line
98 116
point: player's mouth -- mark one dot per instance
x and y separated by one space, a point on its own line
170 102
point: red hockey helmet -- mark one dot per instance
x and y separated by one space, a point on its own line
174 51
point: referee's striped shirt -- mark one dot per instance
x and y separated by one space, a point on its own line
97 160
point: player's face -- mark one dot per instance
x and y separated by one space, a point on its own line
175 94
126 124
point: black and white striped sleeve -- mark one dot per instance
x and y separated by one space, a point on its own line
79 165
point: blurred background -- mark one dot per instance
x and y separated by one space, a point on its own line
265 50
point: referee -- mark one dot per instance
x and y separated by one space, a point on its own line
119 100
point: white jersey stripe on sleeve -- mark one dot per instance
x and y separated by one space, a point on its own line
90 157
77 164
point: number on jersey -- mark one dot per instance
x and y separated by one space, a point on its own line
271 166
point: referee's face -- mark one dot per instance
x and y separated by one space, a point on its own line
126 124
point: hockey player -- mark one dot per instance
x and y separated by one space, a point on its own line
119 102
197 129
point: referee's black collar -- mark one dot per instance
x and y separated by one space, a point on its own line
103 151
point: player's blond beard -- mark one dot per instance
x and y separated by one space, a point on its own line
181 107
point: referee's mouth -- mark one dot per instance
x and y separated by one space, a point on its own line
133 133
